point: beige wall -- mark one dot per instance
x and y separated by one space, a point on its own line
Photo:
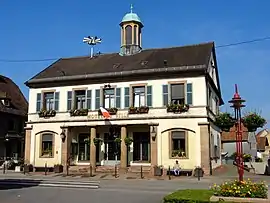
196 114
199 93
163 139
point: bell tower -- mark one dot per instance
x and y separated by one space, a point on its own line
131 36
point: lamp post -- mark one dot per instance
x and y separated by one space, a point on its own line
237 104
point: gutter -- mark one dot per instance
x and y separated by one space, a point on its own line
116 74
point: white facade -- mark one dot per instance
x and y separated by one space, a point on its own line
166 121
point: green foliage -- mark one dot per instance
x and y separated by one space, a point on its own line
253 121
177 108
224 121
128 141
97 141
189 196
117 140
244 189
246 157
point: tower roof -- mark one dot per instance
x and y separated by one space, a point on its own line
131 17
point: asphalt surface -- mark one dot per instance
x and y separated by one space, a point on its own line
132 191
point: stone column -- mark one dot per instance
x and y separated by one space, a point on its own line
123 161
153 147
205 147
27 145
93 134
66 145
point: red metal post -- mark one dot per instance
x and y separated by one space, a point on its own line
237 104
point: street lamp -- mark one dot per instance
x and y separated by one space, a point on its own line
237 104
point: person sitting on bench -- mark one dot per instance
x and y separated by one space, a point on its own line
176 168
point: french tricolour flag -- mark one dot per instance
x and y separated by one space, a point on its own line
105 113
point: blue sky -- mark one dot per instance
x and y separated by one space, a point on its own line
51 29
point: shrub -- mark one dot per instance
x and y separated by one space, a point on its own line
244 189
246 157
189 196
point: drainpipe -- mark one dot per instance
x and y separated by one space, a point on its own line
209 140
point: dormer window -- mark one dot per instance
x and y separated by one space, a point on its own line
6 102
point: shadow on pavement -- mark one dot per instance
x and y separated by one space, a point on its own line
8 184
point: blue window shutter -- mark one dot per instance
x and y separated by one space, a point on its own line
149 96
165 93
118 98
97 105
56 101
69 100
39 103
126 97
89 99
189 94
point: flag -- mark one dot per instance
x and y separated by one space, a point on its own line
105 113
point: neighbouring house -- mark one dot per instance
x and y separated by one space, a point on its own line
13 115
228 141
162 103
263 138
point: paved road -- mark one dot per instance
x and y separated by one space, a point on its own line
110 191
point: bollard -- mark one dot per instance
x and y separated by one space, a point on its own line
141 172
45 169
67 169
91 171
115 171
4 168
24 166
169 173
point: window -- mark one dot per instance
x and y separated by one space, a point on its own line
109 98
128 31
49 101
178 144
181 93
135 34
141 147
6 102
210 99
80 99
139 96
84 147
217 105
178 94
47 145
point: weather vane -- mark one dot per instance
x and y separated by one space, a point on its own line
92 41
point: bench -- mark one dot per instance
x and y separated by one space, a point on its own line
182 172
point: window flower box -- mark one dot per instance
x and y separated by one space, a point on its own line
47 154
143 109
47 113
79 112
112 111
177 108
178 154
138 110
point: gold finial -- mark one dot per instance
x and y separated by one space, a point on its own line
131 8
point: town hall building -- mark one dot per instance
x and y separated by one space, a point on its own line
162 104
